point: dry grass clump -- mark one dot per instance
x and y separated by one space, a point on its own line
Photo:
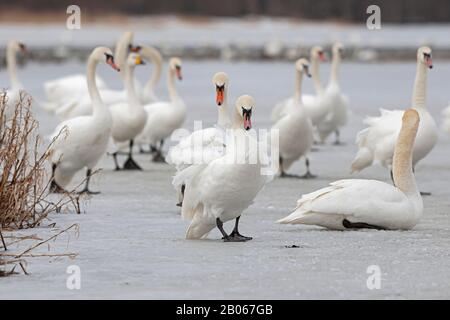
25 200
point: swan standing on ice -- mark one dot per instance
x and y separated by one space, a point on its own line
13 93
357 203
296 135
81 142
338 113
222 189
163 118
129 117
206 145
315 105
376 143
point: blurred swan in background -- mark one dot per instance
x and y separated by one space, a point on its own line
80 142
296 135
163 118
338 113
358 203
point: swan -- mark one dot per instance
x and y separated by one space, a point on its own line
222 189
12 95
357 203
163 118
337 115
81 142
316 106
376 142
82 106
128 117
206 145
65 91
296 135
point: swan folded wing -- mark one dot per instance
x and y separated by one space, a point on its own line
280 110
371 201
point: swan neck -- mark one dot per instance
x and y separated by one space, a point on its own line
335 68
129 86
402 164
420 86
173 94
11 63
97 103
155 75
298 86
223 119
316 76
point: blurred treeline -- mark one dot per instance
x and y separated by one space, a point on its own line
397 11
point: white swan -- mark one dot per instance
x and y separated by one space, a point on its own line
222 189
128 117
13 93
163 118
316 105
206 145
81 142
82 106
64 91
357 203
338 113
296 135
376 143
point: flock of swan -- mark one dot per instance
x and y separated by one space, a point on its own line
96 120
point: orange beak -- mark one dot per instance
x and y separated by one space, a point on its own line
113 65
429 62
322 57
219 95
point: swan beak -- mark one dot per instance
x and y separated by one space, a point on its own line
322 57
219 95
247 113
429 62
178 72
139 61
307 71
23 48
113 65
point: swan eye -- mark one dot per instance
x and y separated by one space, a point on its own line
132 48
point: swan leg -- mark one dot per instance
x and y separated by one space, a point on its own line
54 187
337 141
117 168
86 187
360 225
130 164
235 233
180 204
422 193
283 174
308 174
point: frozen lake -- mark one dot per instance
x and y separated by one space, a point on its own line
131 242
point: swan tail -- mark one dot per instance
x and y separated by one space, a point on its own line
299 216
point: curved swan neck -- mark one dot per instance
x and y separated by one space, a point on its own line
98 106
11 63
420 86
238 121
156 72
173 94
316 76
335 68
298 86
402 164
129 86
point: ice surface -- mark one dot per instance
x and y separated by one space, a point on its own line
132 245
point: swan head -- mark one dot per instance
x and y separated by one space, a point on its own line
244 108
302 66
16 46
220 81
134 59
337 48
175 66
318 54
133 48
106 55
424 56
